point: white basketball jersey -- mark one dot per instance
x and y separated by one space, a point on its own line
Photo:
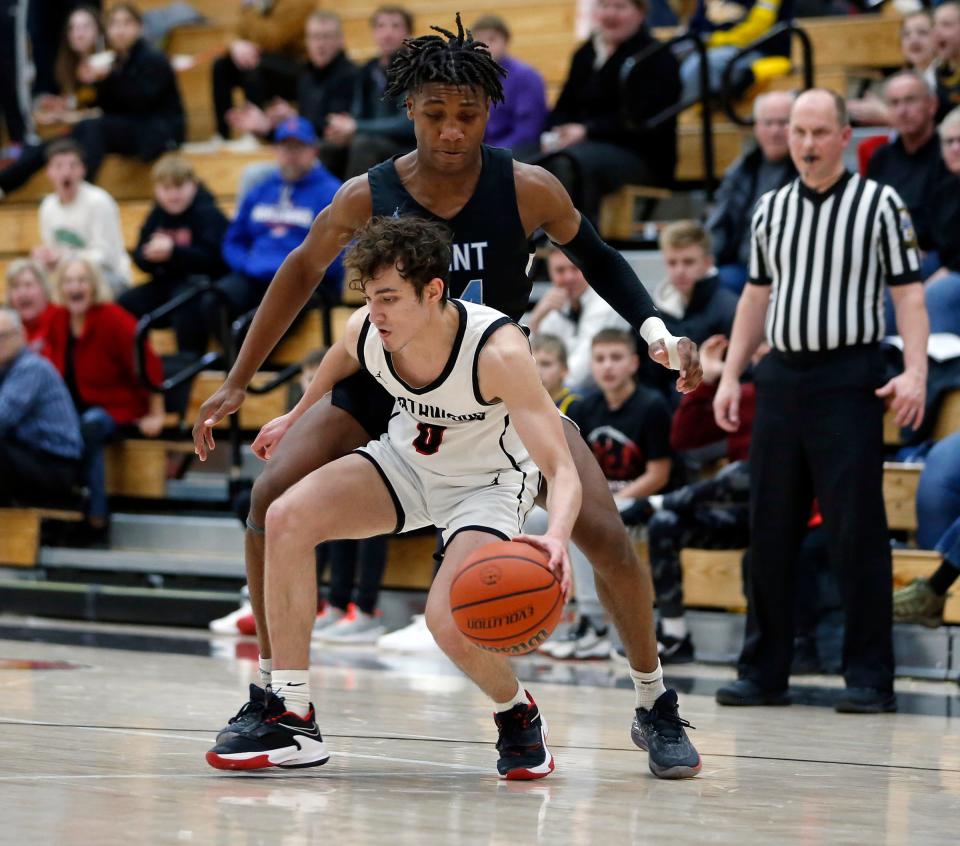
446 427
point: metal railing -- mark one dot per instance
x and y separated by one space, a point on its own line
205 361
727 93
634 66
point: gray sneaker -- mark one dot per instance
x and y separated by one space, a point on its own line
660 731
917 603
362 628
330 616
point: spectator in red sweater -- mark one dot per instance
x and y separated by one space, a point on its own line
28 294
91 343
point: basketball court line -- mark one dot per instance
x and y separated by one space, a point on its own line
160 733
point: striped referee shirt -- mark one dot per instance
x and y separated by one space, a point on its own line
827 257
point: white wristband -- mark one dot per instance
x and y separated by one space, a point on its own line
653 330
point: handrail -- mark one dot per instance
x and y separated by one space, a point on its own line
630 67
148 321
283 376
319 300
726 81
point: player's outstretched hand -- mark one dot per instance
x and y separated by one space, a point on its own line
270 435
559 558
691 374
225 401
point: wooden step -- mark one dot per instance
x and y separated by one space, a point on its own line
138 468
948 418
712 578
129 179
410 562
868 41
728 142
900 483
20 533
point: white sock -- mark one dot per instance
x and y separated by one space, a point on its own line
649 686
519 698
674 627
266 667
293 687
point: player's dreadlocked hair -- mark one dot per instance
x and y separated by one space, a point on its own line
451 59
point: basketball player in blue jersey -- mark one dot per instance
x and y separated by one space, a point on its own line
471 432
493 205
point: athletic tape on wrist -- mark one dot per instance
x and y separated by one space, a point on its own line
653 330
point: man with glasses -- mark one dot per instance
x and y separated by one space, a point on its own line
763 169
40 442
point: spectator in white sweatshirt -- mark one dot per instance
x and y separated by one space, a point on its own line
572 311
80 217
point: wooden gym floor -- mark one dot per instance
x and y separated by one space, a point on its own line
103 730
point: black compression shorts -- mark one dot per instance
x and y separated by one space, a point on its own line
364 399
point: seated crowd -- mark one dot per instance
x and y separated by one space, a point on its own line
69 380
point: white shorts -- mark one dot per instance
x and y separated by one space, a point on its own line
453 504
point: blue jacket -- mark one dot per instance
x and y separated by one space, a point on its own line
35 407
274 219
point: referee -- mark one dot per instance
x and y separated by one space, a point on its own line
823 247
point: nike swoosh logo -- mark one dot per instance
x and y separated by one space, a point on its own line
314 733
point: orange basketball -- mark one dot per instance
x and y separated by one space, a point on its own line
505 598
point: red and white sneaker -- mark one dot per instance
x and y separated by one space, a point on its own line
279 739
230 623
523 743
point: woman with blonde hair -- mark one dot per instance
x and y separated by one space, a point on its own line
91 343
29 295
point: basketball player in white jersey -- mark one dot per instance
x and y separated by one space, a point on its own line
471 432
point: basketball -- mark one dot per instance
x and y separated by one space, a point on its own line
505 598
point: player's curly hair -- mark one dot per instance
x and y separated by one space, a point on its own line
447 58
418 248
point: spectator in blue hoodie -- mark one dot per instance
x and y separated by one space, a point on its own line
274 218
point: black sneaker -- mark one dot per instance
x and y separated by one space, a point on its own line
660 732
674 650
280 739
866 700
523 743
746 693
247 717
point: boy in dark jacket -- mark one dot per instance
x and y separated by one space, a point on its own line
180 243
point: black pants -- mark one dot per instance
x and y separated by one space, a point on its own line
819 433
32 476
144 138
189 322
348 559
275 76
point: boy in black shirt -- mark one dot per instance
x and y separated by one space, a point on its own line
627 426
179 243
